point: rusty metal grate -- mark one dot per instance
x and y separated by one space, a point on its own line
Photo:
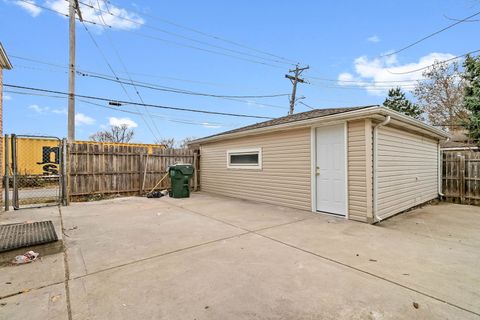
18 235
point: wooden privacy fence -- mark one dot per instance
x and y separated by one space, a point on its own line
126 170
461 176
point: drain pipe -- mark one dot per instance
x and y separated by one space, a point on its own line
375 151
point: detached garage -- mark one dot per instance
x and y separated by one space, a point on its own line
361 163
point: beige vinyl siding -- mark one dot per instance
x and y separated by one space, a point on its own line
406 170
283 180
359 170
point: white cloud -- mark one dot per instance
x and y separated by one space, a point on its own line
7 97
43 110
81 119
38 109
122 121
373 39
377 75
29 6
210 125
113 16
59 111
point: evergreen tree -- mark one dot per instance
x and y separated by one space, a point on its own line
397 101
471 99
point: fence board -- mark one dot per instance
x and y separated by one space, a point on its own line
461 176
125 170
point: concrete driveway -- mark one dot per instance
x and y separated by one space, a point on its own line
210 257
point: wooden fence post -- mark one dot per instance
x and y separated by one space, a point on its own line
461 173
7 172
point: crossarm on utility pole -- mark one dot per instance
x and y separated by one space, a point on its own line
295 80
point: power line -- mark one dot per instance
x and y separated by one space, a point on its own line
157 38
189 39
183 121
362 82
203 49
306 105
139 104
431 35
56 11
179 120
149 85
431 65
287 61
113 72
132 73
182 91
128 75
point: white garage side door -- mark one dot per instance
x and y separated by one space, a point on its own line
406 171
330 169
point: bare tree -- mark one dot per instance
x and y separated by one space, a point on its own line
183 144
169 143
119 133
440 95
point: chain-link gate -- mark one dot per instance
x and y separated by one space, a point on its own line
35 172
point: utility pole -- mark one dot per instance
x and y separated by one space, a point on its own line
72 13
295 79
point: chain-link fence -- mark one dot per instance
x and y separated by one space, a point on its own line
33 173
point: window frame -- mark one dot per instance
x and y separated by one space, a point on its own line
257 166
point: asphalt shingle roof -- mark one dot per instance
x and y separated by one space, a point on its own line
317 113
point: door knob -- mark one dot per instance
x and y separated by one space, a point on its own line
317 172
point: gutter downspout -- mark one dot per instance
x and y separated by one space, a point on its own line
440 170
375 151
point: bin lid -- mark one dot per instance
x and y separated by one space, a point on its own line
185 169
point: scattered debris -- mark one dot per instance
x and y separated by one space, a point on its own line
123 304
55 298
206 307
357 255
73 228
416 305
8 282
406 274
157 194
28 257
373 260
3 304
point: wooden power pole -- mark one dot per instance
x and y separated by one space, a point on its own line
295 79
72 12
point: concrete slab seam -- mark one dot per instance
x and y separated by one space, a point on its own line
370 274
67 269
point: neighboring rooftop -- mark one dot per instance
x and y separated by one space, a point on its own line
317 113
4 61
458 141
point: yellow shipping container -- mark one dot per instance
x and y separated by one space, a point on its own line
37 156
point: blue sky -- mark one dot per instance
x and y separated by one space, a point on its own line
340 40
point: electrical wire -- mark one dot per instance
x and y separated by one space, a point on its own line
176 120
218 38
149 85
174 34
182 91
128 74
431 65
113 72
56 11
185 121
138 104
431 35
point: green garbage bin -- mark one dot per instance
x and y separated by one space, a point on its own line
180 175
